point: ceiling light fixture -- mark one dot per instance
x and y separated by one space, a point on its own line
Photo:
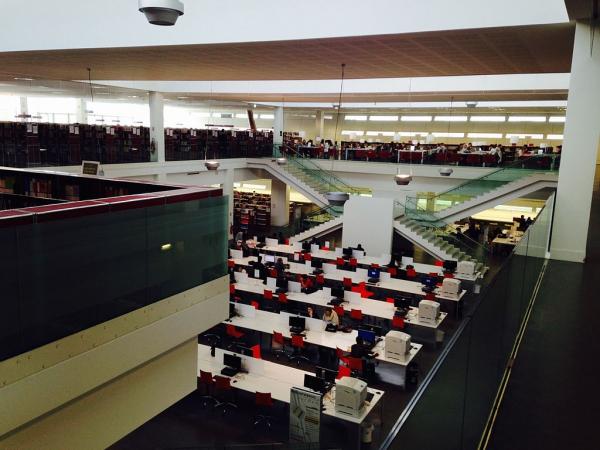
161 12
23 79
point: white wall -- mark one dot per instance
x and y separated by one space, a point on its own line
369 221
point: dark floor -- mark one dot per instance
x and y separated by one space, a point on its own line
552 400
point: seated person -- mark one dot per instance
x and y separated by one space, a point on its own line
359 247
310 312
330 316
280 267
360 349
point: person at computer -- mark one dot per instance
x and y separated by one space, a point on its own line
363 351
306 284
310 312
330 316
280 267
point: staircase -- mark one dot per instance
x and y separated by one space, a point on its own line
441 244
503 184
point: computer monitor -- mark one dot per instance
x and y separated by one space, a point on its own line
326 374
261 239
297 322
367 335
347 251
282 283
306 246
373 273
429 282
402 302
337 292
317 263
232 312
235 362
374 328
450 265
314 383
269 258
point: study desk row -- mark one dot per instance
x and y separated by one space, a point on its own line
265 322
365 260
374 308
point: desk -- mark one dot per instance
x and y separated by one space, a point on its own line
267 376
267 322
373 308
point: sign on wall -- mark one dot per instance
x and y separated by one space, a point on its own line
305 415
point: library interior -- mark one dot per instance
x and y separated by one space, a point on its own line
326 225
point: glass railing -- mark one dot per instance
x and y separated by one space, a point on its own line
311 173
311 220
458 396
479 186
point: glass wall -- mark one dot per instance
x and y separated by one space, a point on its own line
60 277
456 400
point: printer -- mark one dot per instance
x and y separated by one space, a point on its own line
397 345
465 268
350 396
429 311
450 288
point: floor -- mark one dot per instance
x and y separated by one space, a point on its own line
552 400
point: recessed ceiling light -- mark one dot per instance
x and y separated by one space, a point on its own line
23 79
182 98
132 96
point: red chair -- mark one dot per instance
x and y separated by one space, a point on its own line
429 296
206 381
233 333
448 275
282 298
355 365
272 273
353 263
339 262
341 355
347 283
232 289
320 279
256 351
255 304
390 300
411 273
230 263
268 294
339 310
307 257
374 266
439 263
398 322
279 340
343 371
264 403
286 241
224 393
298 348
357 316
393 272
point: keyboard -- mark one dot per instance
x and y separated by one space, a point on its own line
296 330
229 371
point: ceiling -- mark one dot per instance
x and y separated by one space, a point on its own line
506 50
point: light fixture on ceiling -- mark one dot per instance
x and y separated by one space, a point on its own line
23 79
281 161
402 179
446 171
161 12
471 104
212 164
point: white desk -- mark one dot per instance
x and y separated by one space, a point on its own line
278 379
267 322
373 308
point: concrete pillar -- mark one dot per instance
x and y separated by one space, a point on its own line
82 116
580 147
157 126
280 203
23 107
319 125
278 126
228 191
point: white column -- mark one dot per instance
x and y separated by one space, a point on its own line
157 125
280 203
580 147
23 107
278 126
228 191
82 116
319 125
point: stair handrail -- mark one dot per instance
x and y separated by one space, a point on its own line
304 161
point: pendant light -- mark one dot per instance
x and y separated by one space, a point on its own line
281 160
446 171
211 164
402 179
338 198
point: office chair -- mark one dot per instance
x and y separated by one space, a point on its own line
224 393
320 279
298 349
356 316
341 356
234 334
232 289
429 296
256 351
264 403
282 300
230 264
343 371
393 272
278 339
255 304
339 262
398 322
347 282
353 264
339 310
206 381
356 366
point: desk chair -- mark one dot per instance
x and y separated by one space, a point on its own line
206 382
339 310
255 304
268 300
279 339
283 301
339 262
353 263
256 351
429 296
342 356
356 366
230 264
232 289
234 335
224 393
298 349
343 371
347 282
320 279
307 257
393 272
398 323
356 316
448 275
263 403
